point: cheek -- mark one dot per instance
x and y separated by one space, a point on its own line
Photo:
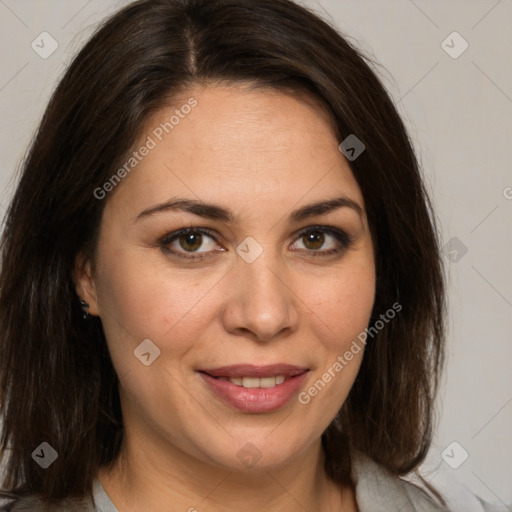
142 300
340 311
342 306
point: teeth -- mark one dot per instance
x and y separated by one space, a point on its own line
251 382
255 382
267 382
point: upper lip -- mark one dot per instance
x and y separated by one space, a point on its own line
250 370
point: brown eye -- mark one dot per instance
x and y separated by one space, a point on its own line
324 241
313 240
190 241
192 244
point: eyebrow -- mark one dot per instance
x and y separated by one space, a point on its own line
215 212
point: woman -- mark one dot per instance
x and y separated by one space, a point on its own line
221 286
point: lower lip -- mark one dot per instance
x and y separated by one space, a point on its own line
255 400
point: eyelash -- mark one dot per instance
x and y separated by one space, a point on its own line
341 236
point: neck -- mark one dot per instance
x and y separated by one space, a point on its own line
151 476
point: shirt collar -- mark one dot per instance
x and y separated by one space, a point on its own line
377 489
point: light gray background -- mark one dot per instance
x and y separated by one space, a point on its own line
458 111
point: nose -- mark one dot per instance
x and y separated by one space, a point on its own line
261 303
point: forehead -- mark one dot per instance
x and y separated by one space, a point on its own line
231 118
238 146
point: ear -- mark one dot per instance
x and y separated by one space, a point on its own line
85 286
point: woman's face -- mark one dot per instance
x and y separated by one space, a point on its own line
260 289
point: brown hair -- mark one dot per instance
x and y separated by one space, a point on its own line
57 382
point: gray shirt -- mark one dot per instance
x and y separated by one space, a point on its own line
377 490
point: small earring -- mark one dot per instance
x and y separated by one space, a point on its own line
85 306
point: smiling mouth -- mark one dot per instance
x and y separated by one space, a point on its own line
256 388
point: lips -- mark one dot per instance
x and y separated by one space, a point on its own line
255 389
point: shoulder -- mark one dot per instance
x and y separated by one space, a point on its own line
32 503
377 489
